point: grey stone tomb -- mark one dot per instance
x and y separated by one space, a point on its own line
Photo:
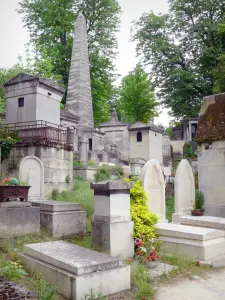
18 219
62 218
75 270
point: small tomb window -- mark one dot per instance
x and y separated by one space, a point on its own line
21 102
139 136
90 144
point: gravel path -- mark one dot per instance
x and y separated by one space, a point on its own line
210 288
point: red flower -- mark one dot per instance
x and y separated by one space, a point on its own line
139 253
152 255
138 243
6 179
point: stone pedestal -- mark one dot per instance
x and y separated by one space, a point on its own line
112 228
61 218
83 150
18 219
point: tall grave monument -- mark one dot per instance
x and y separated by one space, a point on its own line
79 99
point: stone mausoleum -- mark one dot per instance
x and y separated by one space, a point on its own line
55 136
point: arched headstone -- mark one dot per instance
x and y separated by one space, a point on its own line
154 186
31 170
184 190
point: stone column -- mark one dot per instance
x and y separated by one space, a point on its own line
105 158
83 150
190 132
112 228
70 136
94 155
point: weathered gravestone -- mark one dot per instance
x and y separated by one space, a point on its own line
154 186
184 190
31 171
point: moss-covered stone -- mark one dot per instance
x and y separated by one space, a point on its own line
211 125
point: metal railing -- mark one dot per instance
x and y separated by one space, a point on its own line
39 133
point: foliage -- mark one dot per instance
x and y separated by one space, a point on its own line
170 132
93 296
42 289
199 201
12 182
144 221
170 208
196 179
51 26
68 179
105 172
12 270
137 101
141 280
182 49
188 152
6 146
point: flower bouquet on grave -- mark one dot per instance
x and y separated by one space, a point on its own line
141 253
198 208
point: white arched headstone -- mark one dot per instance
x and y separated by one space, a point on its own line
31 170
154 186
184 190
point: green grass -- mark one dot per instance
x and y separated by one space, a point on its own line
185 266
170 208
142 281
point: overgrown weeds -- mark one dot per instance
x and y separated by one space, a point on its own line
170 208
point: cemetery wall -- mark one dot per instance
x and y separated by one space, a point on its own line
58 166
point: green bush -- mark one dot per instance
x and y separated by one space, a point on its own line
199 200
93 296
12 270
105 172
170 208
102 173
144 221
42 289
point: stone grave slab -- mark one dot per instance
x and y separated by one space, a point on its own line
195 242
56 206
61 218
71 258
204 221
76 270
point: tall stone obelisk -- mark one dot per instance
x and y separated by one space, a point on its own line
79 99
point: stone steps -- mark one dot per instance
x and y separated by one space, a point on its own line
76 270
198 243
204 221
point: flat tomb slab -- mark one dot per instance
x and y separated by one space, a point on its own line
195 242
75 287
56 206
188 232
72 258
204 221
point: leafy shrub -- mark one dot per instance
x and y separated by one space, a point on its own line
55 194
199 200
102 173
105 172
12 270
196 179
42 289
144 221
170 208
68 179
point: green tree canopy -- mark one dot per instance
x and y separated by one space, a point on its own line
182 49
137 101
51 26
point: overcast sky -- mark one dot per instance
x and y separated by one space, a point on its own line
13 35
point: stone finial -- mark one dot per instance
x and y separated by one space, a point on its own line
114 116
79 98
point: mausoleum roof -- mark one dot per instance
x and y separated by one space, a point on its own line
142 126
22 77
113 122
211 125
